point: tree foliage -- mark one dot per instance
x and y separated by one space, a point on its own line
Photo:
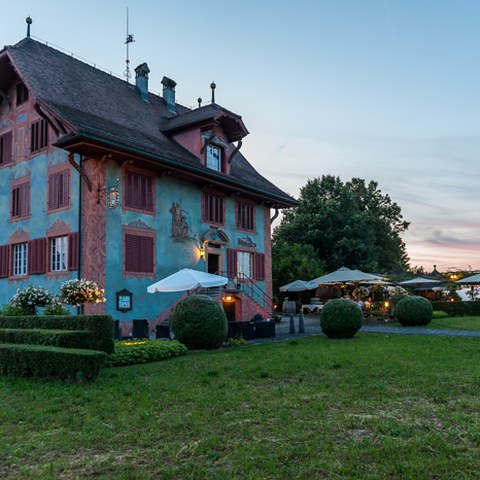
348 224
294 261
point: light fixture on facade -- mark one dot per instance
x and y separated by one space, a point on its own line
228 298
203 253
112 193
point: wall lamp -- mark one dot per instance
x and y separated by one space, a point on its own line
203 253
111 192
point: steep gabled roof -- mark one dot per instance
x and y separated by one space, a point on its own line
93 103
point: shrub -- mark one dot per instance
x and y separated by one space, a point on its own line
199 322
41 361
55 338
99 326
396 298
341 318
143 351
458 308
10 310
414 311
56 308
440 314
237 342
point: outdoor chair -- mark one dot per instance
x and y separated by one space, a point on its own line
140 329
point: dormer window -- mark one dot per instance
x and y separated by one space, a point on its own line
214 157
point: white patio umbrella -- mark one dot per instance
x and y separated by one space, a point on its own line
343 275
418 281
474 279
298 286
187 279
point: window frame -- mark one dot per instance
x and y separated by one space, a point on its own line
17 201
39 136
6 149
54 182
140 233
21 94
62 257
207 195
19 258
240 272
149 207
212 146
251 207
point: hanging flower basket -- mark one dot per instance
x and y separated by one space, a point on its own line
77 292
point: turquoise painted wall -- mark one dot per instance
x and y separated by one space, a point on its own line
171 254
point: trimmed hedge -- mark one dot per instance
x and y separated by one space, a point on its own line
458 309
143 351
54 338
99 326
53 362
341 318
414 311
199 322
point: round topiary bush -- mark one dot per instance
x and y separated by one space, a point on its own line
199 322
413 311
341 318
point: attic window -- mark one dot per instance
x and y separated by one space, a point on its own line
22 93
214 158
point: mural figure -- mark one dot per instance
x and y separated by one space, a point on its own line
179 221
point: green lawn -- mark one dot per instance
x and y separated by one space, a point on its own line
374 407
449 323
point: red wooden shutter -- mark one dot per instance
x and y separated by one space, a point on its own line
6 148
73 251
232 262
4 249
260 266
36 256
145 255
131 253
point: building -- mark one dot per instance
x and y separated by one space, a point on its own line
101 179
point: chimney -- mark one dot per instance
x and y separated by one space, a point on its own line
141 80
169 94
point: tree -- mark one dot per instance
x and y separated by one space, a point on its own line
294 262
348 224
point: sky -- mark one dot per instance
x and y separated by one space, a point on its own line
384 90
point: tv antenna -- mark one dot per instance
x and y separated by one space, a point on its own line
128 41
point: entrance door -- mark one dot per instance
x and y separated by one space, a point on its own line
213 263
229 308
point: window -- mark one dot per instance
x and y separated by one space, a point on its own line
214 158
20 201
22 93
139 256
139 193
245 217
58 190
245 264
19 258
6 148
38 135
58 254
213 209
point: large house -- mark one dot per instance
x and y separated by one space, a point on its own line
101 179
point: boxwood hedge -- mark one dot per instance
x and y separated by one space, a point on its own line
341 318
53 362
414 311
54 338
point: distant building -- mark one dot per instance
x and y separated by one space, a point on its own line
103 180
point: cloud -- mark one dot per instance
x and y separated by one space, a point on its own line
434 180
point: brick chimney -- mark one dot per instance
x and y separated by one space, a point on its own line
141 80
169 94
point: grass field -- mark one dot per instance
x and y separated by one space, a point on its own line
374 407
450 323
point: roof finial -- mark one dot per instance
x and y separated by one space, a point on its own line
128 40
199 100
29 22
213 87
